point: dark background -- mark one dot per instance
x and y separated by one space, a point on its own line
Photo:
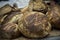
3 0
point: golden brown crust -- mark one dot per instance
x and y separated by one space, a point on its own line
54 15
37 5
2 18
11 29
12 18
5 9
34 25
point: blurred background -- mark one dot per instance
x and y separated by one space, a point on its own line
20 3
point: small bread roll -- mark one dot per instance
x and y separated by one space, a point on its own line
54 15
10 30
38 5
12 18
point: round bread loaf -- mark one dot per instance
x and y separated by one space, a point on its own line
34 25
